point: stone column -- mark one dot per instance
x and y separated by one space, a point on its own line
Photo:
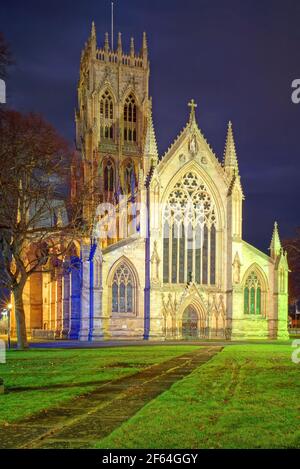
85 294
75 298
97 319
47 300
65 305
53 286
59 306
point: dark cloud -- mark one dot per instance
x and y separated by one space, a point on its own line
236 58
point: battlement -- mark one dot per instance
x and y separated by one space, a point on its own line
114 57
109 54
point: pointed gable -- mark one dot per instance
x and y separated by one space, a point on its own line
193 145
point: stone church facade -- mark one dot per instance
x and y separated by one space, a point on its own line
165 256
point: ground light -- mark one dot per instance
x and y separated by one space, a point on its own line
7 313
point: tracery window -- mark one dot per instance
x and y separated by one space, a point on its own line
106 116
189 233
123 290
252 295
109 176
129 178
130 119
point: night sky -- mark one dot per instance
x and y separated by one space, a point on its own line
237 59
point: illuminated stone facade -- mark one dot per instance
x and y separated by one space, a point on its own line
164 257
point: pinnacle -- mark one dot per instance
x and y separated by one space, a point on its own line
275 246
144 40
150 142
230 158
93 31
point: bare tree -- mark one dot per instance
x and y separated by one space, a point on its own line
34 226
5 56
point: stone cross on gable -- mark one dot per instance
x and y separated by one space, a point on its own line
193 106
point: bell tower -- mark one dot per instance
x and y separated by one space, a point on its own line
113 119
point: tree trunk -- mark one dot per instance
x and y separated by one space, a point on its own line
20 319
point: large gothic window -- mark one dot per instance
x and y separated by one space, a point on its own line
130 119
123 290
252 295
109 176
189 233
106 116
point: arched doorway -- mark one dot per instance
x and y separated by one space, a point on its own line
190 323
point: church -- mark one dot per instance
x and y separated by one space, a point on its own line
164 256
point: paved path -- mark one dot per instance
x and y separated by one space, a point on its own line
82 421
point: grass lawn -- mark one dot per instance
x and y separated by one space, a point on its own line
40 379
245 397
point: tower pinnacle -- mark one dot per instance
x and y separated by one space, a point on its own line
275 246
150 142
145 46
132 47
93 40
144 51
93 30
120 42
106 43
230 159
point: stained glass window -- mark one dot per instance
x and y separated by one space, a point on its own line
115 298
213 255
109 177
190 213
106 116
130 120
252 295
252 300
129 178
123 290
246 300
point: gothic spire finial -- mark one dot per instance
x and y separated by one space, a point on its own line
275 246
119 42
93 30
192 105
230 159
145 46
132 47
144 52
93 40
106 43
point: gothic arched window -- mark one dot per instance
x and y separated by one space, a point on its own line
252 295
130 119
123 290
106 116
189 224
129 178
109 176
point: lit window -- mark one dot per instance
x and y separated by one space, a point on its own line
130 119
106 116
189 244
109 177
252 295
123 290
